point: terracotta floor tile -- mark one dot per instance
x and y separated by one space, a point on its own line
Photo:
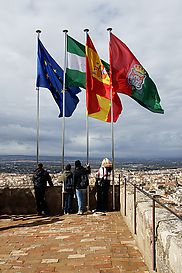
86 244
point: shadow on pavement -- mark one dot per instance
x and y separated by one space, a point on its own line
36 221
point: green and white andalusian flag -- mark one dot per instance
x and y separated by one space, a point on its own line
76 64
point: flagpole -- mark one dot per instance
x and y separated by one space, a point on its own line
112 132
38 111
64 89
86 30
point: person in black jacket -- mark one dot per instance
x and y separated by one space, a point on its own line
80 180
40 179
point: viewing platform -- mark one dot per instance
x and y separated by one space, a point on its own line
89 243
141 223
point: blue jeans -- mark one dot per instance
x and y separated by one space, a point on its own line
68 197
81 198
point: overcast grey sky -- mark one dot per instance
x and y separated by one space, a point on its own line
151 29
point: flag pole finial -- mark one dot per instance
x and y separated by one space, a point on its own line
38 31
86 30
65 30
109 29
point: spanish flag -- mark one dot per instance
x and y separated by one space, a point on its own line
98 98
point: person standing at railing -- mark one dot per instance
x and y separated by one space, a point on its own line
68 189
102 184
40 179
81 182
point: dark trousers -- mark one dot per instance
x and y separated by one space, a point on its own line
40 200
102 198
68 199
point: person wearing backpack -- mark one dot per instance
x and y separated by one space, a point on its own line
68 189
102 185
81 182
40 179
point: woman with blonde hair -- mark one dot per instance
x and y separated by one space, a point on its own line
102 184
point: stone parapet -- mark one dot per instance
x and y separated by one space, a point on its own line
168 232
22 201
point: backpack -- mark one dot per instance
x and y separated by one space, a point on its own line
100 182
40 178
69 183
83 181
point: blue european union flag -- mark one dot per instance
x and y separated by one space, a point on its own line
50 75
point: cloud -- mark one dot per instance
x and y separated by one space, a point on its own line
152 30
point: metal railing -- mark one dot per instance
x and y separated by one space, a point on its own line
154 201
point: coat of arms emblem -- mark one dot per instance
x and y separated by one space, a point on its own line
137 76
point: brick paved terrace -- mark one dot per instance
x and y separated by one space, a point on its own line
70 243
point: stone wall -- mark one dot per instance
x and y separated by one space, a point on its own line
22 201
168 232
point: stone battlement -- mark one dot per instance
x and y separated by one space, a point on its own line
168 232
22 200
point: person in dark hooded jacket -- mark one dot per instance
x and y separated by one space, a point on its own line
68 189
40 179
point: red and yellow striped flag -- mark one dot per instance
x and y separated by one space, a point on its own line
98 100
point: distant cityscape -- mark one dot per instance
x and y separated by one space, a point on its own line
27 164
161 178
